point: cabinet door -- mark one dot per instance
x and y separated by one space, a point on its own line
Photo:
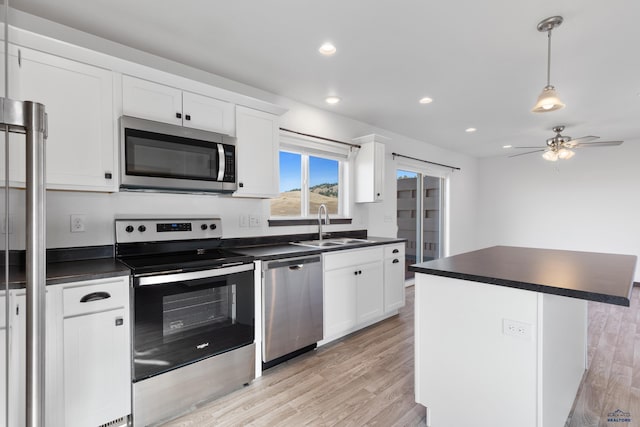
202 112
257 153
370 303
339 301
369 173
80 148
96 368
394 282
151 101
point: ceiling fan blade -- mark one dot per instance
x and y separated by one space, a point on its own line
598 144
576 141
528 152
539 146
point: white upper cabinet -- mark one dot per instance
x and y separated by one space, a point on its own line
369 169
80 148
257 153
154 101
202 112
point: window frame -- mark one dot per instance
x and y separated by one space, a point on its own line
309 148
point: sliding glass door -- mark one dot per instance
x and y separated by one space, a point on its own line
420 216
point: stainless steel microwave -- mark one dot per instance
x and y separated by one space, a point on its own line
159 156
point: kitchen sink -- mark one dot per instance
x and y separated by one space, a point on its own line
342 241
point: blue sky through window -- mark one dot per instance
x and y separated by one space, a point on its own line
406 174
322 171
290 171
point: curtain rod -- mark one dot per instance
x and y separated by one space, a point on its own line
425 161
321 137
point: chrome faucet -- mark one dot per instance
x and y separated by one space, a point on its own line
326 219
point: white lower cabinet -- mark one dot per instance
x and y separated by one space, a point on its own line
353 290
97 372
393 277
87 362
16 378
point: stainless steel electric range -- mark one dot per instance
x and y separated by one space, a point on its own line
193 314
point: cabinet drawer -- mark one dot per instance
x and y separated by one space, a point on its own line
394 251
346 258
92 296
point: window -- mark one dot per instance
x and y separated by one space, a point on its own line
308 180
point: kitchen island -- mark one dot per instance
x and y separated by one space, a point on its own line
501 332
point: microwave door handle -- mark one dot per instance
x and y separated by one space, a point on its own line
221 162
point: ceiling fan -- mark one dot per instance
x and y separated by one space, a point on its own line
561 147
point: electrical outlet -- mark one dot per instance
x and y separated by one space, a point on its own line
254 221
514 328
78 223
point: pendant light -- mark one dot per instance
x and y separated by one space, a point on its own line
548 99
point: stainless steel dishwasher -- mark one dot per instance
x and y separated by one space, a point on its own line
291 307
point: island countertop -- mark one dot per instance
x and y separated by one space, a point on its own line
591 276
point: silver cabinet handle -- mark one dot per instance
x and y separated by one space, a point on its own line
296 267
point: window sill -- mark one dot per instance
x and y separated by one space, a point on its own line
304 221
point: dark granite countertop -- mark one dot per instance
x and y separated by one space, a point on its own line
67 268
72 271
287 250
591 276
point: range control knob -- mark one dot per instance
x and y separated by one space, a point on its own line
203 227
129 229
213 226
142 229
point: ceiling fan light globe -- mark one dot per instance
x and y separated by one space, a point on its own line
564 154
548 101
550 156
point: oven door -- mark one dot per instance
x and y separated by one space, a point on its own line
186 317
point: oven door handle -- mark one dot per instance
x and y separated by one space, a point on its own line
193 275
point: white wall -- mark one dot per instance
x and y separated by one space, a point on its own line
588 203
101 209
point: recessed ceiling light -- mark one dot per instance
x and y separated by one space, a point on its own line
507 146
332 99
470 130
425 100
327 49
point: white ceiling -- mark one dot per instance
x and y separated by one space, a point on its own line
483 62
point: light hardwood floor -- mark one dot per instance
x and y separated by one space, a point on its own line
612 381
367 379
363 379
